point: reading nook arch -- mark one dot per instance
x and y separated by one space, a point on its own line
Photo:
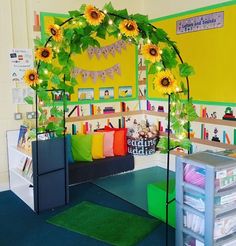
54 66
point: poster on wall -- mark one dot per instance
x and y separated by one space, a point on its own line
85 94
125 91
20 61
106 93
18 94
199 23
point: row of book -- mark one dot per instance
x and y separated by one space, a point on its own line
225 136
95 109
26 168
86 127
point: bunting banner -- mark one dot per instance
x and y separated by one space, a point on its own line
106 50
94 75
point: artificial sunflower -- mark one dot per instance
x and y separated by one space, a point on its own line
129 28
93 15
165 82
44 54
151 52
55 31
31 77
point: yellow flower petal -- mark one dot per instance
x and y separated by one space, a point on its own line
151 52
31 77
93 16
129 28
44 54
55 31
165 82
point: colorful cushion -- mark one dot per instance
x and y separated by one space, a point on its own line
97 145
68 149
120 144
81 147
108 142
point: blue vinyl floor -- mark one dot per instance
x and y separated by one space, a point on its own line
132 186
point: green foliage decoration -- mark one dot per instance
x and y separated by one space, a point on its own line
77 33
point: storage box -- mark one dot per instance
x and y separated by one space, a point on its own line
156 197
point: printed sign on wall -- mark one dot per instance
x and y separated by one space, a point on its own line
199 23
20 61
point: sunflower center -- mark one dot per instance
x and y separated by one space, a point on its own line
153 52
165 82
31 77
130 27
53 31
45 53
94 15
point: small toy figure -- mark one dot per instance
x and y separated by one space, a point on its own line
215 137
213 115
229 114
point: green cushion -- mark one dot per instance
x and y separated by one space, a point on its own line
81 147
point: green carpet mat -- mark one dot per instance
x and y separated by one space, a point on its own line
105 224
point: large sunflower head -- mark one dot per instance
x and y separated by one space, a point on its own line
151 52
44 54
129 28
93 15
31 77
55 31
165 82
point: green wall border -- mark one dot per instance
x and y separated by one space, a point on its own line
194 11
44 37
181 14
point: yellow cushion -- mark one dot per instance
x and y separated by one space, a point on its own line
97 145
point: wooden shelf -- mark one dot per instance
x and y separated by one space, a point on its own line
155 113
142 82
217 121
163 114
103 116
142 68
142 98
205 142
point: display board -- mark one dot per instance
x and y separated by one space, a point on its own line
104 74
206 40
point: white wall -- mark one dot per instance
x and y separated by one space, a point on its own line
16 22
159 8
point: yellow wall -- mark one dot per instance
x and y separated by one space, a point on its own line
212 54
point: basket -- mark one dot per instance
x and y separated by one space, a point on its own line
142 146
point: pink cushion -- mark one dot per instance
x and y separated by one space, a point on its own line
108 143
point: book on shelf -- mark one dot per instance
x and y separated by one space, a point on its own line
24 139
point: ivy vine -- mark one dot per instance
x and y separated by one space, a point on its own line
53 63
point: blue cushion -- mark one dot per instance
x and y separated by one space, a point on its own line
68 149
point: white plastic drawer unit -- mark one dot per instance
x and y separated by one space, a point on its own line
205 200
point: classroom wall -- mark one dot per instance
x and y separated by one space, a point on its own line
158 8
16 21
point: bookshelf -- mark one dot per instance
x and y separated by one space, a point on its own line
142 98
39 179
164 115
206 142
103 116
21 183
142 68
142 82
205 199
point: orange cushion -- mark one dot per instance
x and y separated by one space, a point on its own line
120 143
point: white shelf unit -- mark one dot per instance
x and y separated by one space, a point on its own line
39 180
19 184
206 200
